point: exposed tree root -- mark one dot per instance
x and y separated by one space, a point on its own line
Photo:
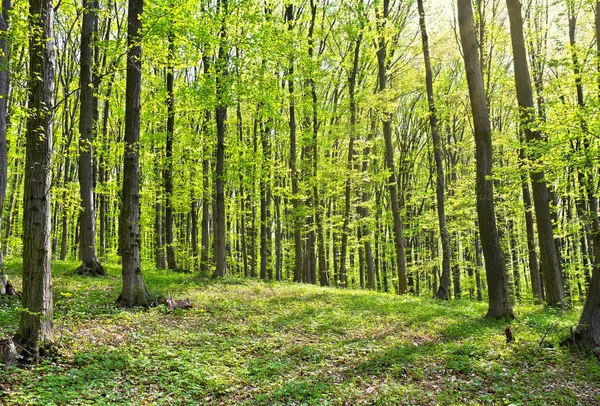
91 267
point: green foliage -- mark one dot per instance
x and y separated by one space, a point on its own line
247 342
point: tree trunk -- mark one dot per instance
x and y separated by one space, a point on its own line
551 267
350 167
588 330
444 286
35 327
168 173
382 63
87 238
536 284
221 117
266 272
134 291
499 301
4 89
298 267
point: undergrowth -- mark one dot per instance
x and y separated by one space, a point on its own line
249 342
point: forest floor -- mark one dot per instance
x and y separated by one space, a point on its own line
249 342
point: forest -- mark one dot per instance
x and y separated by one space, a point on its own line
347 201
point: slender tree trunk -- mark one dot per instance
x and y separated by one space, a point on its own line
15 186
168 172
5 286
350 167
444 287
205 221
363 212
266 271
160 257
87 238
382 63
298 267
35 327
278 238
499 301
221 117
550 265
534 269
251 203
194 231
134 291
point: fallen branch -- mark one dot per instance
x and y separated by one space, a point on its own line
173 304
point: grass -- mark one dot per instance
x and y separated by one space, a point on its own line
249 342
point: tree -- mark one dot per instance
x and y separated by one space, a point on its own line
221 117
298 264
134 291
443 290
382 64
35 332
550 265
6 287
588 329
87 240
495 267
168 173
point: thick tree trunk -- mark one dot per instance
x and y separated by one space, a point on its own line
35 327
134 291
221 117
551 267
168 173
90 265
588 330
499 301
444 287
382 63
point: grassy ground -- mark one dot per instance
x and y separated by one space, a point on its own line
247 342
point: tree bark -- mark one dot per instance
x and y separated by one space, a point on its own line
444 286
389 156
87 239
205 221
534 269
499 301
298 267
134 291
266 271
221 117
168 173
551 267
35 332
350 166
4 89
588 330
